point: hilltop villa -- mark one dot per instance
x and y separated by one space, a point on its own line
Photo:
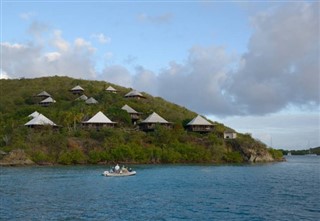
43 94
34 114
46 102
40 121
134 94
199 124
82 97
91 100
135 116
111 89
98 121
77 90
150 122
229 135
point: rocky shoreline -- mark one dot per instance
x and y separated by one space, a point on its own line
18 157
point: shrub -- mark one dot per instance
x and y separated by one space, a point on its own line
233 157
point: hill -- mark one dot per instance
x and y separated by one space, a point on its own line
315 150
71 143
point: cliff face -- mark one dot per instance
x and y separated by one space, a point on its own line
252 151
254 156
16 157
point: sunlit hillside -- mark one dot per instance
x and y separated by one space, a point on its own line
70 142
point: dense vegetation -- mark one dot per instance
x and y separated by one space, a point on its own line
72 144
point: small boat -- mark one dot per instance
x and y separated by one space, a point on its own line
118 172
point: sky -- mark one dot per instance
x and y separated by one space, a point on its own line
253 66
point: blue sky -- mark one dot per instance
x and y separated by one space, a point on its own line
252 66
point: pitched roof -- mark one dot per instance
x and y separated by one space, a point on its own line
77 88
40 120
82 97
110 88
43 94
34 114
198 120
99 118
91 100
129 109
155 118
134 93
48 100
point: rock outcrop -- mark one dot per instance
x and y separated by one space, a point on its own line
16 158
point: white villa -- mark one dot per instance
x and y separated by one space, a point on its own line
46 102
82 97
40 121
91 100
34 114
229 135
134 94
43 94
77 90
112 90
199 124
150 122
135 116
98 121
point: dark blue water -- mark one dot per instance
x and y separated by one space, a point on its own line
280 191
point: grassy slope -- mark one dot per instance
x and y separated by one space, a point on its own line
71 144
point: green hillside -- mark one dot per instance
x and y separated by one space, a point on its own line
72 144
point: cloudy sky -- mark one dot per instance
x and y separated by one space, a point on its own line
252 66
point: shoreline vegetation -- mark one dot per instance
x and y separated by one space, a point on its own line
72 143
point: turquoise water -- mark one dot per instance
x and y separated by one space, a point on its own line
278 191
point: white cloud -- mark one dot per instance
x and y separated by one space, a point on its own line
59 42
145 80
117 74
101 38
32 60
281 66
3 75
80 43
14 46
52 56
198 83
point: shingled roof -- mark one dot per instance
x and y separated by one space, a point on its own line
48 100
111 89
155 118
40 120
134 93
91 100
77 88
198 120
43 94
129 109
82 97
34 114
99 118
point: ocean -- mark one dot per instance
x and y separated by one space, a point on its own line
273 191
